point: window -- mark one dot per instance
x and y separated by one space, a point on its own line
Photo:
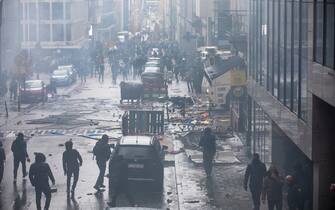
58 32
68 32
32 11
329 38
288 53
324 32
57 11
281 46
45 32
270 44
44 11
275 48
295 48
32 32
67 11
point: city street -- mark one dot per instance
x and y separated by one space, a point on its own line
85 112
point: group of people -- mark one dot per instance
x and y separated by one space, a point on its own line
40 173
268 185
263 184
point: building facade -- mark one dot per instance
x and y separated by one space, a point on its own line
53 24
291 88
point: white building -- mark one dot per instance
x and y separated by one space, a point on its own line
54 24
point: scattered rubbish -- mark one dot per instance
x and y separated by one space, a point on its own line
175 152
32 134
89 194
50 155
61 145
228 195
169 193
194 201
56 133
19 122
169 201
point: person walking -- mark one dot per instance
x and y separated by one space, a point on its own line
72 160
101 70
273 189
120 175
19 149
208 144
2 161
39 175
293 194
13 89
301 182
102 153
254 175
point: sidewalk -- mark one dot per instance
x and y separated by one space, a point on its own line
225 189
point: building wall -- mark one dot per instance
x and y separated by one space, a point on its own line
10 43
291 77
53 23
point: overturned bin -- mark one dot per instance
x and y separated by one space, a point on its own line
131 91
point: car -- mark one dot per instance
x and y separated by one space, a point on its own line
32 91
152 64
64 75
145 159
61 77
154 59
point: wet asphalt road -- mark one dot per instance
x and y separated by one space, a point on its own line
82 109
81 112
21 195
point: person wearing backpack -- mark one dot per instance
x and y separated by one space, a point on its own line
102 153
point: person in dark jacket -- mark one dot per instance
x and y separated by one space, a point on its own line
301 182
273 189
293 193
19 149
254 175
208 144
120 177
39 175
102 153
2 161
71 162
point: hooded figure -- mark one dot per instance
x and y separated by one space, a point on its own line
208 144
39 175
102 152
19 149
254 175
71 162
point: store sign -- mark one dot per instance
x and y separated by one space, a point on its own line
238 78
238 92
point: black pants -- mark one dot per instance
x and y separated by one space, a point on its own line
119 190
1 171
47 192
75 174
275 203
102 170
17 161
208 162
256 198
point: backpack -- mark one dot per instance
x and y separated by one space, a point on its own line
96 149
